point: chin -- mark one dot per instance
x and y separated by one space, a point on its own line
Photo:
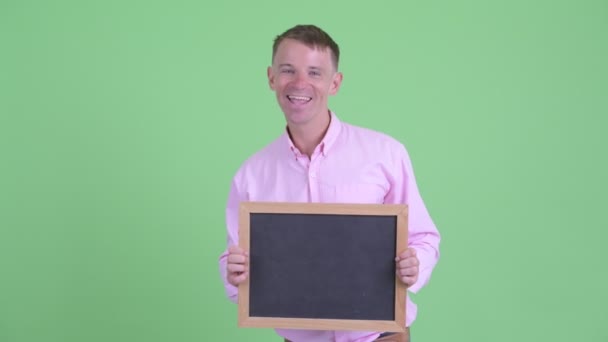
298 117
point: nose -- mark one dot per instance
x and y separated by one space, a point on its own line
300 80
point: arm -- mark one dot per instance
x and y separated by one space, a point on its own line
232 261
423 236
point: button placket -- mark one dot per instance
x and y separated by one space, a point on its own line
313 177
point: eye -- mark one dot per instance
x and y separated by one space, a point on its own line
314 73
287 71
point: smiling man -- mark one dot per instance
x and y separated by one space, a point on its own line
319 158
303 76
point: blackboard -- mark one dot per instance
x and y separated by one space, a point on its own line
322 266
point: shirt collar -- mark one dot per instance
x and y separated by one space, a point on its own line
335 126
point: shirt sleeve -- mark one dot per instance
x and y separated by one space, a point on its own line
232 227
423 235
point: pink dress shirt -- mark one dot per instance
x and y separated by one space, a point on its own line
351 165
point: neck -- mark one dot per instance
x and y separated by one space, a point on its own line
307 137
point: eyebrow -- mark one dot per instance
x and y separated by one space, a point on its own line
291 66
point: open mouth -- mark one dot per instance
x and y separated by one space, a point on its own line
298 99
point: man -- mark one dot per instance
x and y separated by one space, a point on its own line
322 159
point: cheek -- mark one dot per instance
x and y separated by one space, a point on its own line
322 90
325 86
282 83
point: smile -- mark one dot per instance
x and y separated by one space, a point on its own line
298 99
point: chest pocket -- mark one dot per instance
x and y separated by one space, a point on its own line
352 193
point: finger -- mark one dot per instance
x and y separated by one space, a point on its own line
234 249
237 259
408 272
232 281
409 281
233 268
409 262
238 279
410 252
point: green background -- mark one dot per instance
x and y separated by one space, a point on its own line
122 123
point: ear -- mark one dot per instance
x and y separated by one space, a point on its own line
270 74
335 83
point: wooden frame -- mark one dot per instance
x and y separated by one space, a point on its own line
399 211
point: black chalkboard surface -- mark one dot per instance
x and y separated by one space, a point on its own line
322 266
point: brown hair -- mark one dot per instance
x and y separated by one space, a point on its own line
313 37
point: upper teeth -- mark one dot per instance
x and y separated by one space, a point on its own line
303 98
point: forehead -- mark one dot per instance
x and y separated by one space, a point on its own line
297 53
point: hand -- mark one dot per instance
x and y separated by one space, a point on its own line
238 265
407 267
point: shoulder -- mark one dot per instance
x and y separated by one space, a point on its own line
373 140
260 159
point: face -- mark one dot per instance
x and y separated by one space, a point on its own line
303 78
